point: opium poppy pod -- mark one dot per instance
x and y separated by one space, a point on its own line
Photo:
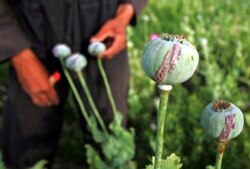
96 48
76 62
170 59
61 51
222 120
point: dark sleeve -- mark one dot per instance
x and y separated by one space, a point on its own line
12 39
138 7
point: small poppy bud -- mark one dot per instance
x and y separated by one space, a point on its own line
96 48
76 62
61 51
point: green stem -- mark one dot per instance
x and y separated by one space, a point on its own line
219 155
90 99
76 94
145 26
107 86
164 93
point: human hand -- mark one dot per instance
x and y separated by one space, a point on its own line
115 30
34 79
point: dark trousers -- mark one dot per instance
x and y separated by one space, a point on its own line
31 133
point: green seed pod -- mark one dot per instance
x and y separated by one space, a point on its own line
76 62
61 51
170 59
96 48
222 120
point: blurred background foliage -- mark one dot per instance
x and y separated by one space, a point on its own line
221 32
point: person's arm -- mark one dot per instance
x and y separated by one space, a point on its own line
12 39
116 28
138 6
34 78
32 75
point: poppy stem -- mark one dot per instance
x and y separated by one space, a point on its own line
107 86
91 102
76 94
161 115
219 155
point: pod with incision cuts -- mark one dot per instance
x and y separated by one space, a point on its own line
222 121
170 59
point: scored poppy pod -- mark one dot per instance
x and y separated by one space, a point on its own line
222 120
170 59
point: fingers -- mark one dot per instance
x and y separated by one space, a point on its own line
115 30
40 100
34 79
42 93
101 36
46 97
118 44
52 96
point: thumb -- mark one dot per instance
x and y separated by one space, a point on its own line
101 36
